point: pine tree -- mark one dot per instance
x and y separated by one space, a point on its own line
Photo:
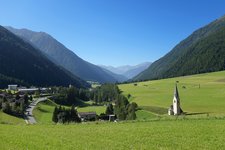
26 98
131 109
55 115
73 115
31 98
109 109
124 110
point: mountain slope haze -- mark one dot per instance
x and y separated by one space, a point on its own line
21 63
61 55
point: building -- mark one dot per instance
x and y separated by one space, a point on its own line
175 109
29 90
87 116
170 110
112 117
12 87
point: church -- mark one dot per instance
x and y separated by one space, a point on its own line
175 108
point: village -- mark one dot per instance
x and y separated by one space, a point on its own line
21 101
15 97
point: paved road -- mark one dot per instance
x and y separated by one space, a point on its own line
28 113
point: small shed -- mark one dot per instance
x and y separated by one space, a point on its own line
87 116
112 117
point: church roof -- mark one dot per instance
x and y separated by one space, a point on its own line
176 94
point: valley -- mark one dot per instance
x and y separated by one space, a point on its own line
202 98
126 75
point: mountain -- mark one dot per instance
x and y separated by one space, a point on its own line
118 77
21 63
127 70
202 51
64 57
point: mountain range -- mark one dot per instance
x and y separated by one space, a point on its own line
203 51
36 58
21 63
128 71
66 58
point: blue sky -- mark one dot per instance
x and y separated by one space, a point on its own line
113 32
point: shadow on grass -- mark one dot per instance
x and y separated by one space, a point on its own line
42 110
155 109
196 113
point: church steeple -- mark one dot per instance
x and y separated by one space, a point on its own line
176 102
176 94
175 109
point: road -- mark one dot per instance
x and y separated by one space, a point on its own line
29 118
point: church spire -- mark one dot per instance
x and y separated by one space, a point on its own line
176 94
175 109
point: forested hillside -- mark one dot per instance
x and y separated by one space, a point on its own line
64 57
192 55
21 63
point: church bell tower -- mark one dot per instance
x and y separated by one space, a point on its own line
176 102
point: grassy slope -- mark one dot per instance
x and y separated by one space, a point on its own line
156 97
209 98
180 134
43 112
97 109
164 134
8 119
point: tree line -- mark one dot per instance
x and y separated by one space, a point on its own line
106 94
122 109
69 96
14 104
63 115
75 96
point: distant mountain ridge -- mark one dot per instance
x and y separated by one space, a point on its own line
127 70
192 55
64 57
21 63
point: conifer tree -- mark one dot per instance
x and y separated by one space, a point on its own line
73 115
109 109
55 115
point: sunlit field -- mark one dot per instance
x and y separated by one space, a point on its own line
179 134
199 94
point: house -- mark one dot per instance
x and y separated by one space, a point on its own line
175 108
87 116
29 90
170 110
112 117
12 87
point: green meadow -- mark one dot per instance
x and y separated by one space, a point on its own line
8 119
97 109
202 98
44 110
199 94
173 134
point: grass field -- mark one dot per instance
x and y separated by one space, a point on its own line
199 94
8 119
179 134
203 128
43 112
97 109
